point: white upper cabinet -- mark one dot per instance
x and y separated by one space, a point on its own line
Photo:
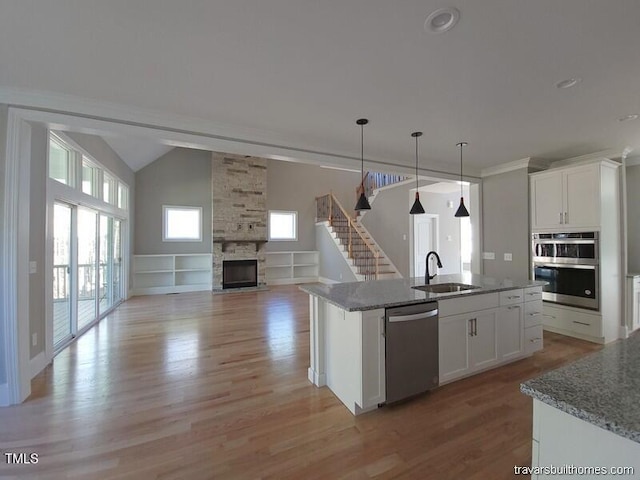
566 198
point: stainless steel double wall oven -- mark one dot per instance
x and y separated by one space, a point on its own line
570 263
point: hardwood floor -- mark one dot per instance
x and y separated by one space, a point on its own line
215 386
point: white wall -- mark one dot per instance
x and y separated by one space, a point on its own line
3 149
633 219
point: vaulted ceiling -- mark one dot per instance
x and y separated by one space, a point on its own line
306 70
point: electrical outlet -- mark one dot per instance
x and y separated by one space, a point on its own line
34 339
404 237
508 257
488 255
251 226
33 267
449 238
239 226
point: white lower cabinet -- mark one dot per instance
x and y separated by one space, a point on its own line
510 332
485 331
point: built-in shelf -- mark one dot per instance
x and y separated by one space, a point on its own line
160 274
292 267
225 241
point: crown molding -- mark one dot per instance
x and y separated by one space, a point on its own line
632 161
610 154
534 164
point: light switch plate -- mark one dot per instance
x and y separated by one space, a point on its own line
488 255
33 267
34 339
508 257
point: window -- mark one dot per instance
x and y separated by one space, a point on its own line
123 195
182 224
108 191
283 225
89 177
59 161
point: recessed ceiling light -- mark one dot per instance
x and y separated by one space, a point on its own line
442 20
633 116
568 83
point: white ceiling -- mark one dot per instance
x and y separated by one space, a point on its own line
307 70
137 152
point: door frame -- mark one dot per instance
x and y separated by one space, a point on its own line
436 235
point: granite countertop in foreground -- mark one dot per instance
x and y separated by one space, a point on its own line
358 296
602 389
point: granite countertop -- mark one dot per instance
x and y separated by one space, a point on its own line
358 296
632 274
602 389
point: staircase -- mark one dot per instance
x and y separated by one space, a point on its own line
364 256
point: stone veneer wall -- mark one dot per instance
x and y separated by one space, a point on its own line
239 211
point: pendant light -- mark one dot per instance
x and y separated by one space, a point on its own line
363 203
417 206
462 210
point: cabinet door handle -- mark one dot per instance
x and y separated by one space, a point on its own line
582 323
534 340
537 313
511 297
534 294
471 327
560 218
548 316
475 327
513 307
565 218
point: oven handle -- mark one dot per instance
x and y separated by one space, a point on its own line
565 265
570 241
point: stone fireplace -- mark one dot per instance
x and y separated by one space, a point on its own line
239 218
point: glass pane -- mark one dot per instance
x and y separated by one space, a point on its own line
182 223
87 253
122 195
59 159
61 273
105 271
89 178
282 226
117 261
108 188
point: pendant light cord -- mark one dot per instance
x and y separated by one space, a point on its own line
362 155
416 163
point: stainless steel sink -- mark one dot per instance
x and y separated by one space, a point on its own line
445 287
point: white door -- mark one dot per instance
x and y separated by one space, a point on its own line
425 239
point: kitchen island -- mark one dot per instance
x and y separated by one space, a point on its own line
588 413
495 322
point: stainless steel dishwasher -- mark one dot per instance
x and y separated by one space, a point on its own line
411 334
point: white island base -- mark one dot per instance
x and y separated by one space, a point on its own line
347 354
561 441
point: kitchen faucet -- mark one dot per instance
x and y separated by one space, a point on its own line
428 277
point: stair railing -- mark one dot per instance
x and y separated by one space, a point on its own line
374 180
363 253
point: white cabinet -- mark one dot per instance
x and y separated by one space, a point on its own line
353 352
510 332
484 341
567 198
292 267
576 322
533 311
161 274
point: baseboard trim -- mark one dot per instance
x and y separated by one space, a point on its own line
4 394
318 379
327 281
37 364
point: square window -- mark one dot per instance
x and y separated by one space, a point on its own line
283 225
182 224
123 195
89 177
59 161
108 190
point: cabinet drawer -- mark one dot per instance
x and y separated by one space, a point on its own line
511 297
532 293
573 320
472 303
533 313
533 339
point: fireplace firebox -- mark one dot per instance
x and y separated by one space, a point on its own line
239 273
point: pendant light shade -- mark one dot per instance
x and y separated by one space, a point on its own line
363 203
417 208
462 210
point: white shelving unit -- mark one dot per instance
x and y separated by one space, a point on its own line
159 274
292 267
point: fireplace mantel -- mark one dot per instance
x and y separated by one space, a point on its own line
225 241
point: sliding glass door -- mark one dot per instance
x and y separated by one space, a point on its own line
87 268
62 324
